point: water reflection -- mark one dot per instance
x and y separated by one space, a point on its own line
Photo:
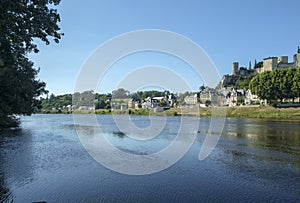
279 136
255 160
267 150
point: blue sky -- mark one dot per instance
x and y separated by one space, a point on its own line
231 30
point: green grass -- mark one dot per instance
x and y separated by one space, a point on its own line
231 112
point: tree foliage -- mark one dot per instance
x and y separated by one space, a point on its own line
258 65
141 95
277 85
120 93
21 21
56 102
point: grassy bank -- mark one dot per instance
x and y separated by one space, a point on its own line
232 112
264 112
248 112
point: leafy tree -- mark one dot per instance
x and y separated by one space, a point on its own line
86 98
181 97
100 104
292 78
20 22
277 85
242 82
120 93
162 103
58 102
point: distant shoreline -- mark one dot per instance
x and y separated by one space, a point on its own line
292 114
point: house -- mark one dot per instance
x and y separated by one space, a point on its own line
235 97
212 97
134 104
251 99
86 108
150 103
171 100
191 100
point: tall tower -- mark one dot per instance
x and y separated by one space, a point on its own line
297 58
235 68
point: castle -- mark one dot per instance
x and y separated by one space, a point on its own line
268 64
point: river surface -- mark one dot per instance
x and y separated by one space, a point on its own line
254 161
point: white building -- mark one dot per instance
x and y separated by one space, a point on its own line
191 100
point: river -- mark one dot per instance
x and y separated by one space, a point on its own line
254 161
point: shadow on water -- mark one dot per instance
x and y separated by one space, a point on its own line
119 134
5 193
13 143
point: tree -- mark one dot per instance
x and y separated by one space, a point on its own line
162 103
277 85
296 83
258 65
21 21
120 93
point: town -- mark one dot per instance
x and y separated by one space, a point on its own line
233 90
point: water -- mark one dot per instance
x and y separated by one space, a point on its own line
254 161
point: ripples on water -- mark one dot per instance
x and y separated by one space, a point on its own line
254 161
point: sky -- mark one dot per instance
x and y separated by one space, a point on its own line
228 31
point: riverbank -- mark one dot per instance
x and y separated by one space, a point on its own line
231 112
248 112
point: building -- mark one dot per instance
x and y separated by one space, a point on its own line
251 99
272 63
150 103
235 68
269 64
235 97
211 96
86 108
171 100
191 100
133 104
297 58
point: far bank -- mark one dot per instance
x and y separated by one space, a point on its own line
266 112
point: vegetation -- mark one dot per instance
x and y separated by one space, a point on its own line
237 82
141 95
258 65
56 101
21 22
243 112
264 112
56 104
243 82
277 85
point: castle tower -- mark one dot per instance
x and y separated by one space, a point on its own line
270 63
235 68
297 58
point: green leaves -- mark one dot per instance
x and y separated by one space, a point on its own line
277 85
20 22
